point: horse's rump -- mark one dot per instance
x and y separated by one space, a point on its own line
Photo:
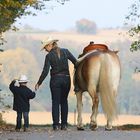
90 64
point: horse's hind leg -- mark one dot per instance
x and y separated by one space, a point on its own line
108 127
95 102
79 109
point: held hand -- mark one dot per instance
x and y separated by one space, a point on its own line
36 87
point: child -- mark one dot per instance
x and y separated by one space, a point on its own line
22 95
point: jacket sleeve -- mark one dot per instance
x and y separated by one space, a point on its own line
12 86
71 57
31 94
45 70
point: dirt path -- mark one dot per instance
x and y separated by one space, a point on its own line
71 134
46 132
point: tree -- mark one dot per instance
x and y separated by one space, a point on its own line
134 18
11 10
86 26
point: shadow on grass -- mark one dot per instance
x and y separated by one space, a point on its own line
129 127
10 127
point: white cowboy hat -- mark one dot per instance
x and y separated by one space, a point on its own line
48 41
23 79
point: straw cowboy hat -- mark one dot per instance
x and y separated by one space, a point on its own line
23 79
48 41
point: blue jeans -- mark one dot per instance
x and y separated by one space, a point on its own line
19 119
60 86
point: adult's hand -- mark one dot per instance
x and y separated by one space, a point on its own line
37 87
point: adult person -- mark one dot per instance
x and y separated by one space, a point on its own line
57 59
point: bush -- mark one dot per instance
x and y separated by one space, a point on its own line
86 27
1 120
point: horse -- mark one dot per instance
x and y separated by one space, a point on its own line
98 72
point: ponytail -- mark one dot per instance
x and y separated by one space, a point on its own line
57 48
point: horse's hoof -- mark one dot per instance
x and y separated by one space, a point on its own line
93 127
80 129
108 128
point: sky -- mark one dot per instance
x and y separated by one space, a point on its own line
105 13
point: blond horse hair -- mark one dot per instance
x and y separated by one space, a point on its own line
106 89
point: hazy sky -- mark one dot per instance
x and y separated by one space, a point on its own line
105 13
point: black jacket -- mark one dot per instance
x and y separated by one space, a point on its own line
58 65
22 95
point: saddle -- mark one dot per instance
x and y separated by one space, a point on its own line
98 47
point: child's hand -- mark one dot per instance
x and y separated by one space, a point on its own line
15 80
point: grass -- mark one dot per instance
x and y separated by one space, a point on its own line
129 127
9 127
2 122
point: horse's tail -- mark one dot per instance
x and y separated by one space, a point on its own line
106 88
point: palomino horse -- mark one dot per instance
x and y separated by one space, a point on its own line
98 73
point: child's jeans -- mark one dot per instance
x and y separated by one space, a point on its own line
19 119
